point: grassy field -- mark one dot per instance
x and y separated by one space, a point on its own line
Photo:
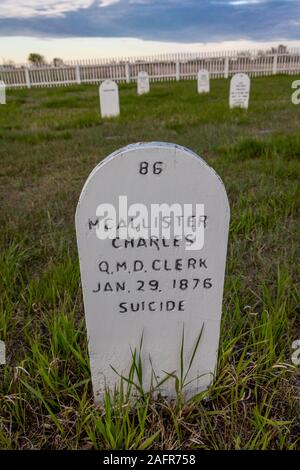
50 140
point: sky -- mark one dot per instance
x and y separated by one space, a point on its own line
102 28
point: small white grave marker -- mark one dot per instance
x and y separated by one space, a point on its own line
239 91
2 352
203 81
143 83
109 99
152 287
2 93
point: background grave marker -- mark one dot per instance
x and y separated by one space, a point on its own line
2 352
133 288
109 99
239 91
203 81
143 83
2 93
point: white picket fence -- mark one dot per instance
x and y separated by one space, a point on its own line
160 68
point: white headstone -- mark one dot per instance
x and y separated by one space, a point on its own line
109 99
239 91
203 81
152 287
2 93
2 352
143 83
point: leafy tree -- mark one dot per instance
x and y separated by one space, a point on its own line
36 59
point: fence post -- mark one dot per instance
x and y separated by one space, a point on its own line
77 74
226 67
127 72
177 70
274 70
27 78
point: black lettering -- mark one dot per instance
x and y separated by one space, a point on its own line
190 241
122 224
154 241
154 263
203 219
176 242
207 284
170 306
114 243
192 263
165 243
135 307
92 224
122 307
108 288
120 286
98 288
141 242
178 264
202 262
138 266
121 265
166 266
104 267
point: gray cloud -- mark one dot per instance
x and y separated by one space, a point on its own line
167 20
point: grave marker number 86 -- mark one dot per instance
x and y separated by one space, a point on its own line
156 168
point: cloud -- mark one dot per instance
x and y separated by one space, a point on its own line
162 20
246 2
31 8
107 3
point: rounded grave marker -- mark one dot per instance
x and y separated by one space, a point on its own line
109 99
203 81
143 83
2 93
239 91
152 227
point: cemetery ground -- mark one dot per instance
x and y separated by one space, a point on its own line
50 140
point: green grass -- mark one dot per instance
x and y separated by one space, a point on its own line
50 140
